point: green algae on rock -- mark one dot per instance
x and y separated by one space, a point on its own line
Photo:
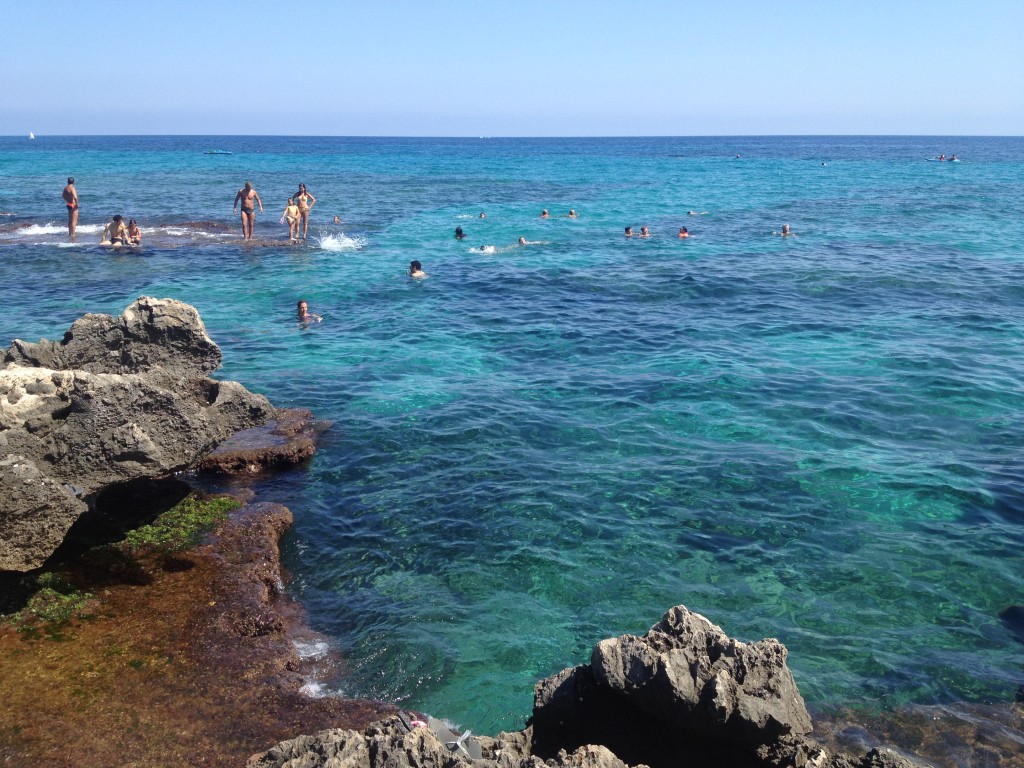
183 526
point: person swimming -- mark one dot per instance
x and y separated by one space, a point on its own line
544 214
684 232
786 232
572 214
459 234
629 231
645 232
416 270
305 316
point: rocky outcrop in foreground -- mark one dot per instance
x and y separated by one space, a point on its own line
117 399
684 694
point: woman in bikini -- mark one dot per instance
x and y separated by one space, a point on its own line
305 202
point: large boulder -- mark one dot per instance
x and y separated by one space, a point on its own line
161 337
116 400
686 678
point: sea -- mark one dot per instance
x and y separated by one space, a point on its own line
817 438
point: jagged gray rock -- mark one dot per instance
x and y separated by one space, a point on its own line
390 744
161 337
39 510
684 676
683 694
117 399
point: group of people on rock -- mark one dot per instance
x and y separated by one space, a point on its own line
296 212
119 233
115 233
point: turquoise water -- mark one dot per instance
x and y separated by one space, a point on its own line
814 438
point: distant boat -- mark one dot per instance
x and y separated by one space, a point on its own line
31 135
216 152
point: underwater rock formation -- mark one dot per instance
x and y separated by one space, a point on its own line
284 441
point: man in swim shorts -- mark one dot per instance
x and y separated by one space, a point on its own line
115 233
70 196
247 195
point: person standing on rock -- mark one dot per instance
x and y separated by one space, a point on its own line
70 196
248 196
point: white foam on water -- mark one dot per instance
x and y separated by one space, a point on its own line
44 229
192 232
484 249
313 690
51 228
340 242
311 650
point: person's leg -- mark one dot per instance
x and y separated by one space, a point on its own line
72 221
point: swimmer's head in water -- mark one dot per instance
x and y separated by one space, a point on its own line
522 241
415 266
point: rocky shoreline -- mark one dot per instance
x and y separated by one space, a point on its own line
158 645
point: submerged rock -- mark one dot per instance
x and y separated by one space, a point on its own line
115 400
286 440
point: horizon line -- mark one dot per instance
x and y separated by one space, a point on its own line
509 136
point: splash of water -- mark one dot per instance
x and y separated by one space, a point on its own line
339 242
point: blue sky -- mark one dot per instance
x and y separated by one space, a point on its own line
523 68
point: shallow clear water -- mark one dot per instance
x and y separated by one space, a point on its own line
814 438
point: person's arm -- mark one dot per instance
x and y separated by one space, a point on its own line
257 195
312 199
234 207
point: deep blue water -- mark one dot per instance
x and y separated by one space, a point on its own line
815 438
